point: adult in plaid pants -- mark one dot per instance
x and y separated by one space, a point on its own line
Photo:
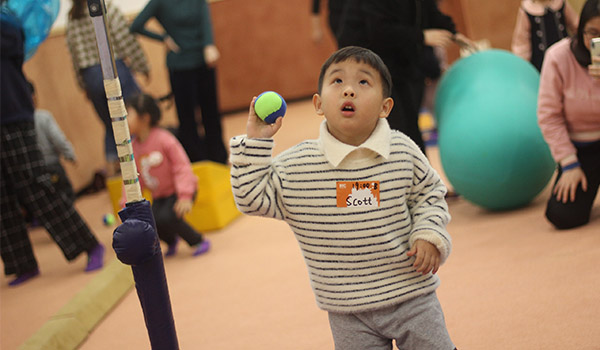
25 181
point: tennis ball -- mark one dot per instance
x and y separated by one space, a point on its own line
269 106
108 219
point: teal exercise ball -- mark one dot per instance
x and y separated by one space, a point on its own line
491 147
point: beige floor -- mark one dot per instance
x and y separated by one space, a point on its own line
511 282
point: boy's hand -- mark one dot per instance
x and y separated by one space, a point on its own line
182 207
428 257
256 128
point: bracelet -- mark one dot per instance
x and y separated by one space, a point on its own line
571 166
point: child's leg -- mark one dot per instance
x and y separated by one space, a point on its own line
15 246
415 324
162 209
31 183
169 225
573 214
419 324
351 333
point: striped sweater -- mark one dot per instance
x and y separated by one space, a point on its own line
354 222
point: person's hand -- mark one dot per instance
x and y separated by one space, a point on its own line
463 41
211 55
171 44
316 29
437 37
594 68
182 207
256 128
428 257
566 186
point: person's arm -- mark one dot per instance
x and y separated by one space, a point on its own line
57 138
428 207
315 21
71 39
521 39
550 112
571 18
255 181
125 44
181 170
553 125
211 53
139 23
185 181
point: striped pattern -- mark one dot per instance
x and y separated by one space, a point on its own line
81 40
356 258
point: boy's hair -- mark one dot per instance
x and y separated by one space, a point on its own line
144 103
360 55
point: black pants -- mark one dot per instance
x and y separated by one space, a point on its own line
169 226
407 95
61 181
577 213
192 88
26 183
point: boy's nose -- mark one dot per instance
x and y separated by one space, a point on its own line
348 92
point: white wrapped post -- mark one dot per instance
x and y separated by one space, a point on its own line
118 115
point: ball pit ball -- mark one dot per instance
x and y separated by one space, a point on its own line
108 219
269 106
491 147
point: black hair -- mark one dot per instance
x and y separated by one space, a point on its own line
78 10
144 103
360 55
590 9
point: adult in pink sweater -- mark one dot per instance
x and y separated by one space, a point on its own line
569 117
164 168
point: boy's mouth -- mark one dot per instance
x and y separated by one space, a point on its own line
348 108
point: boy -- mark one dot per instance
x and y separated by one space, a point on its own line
365 205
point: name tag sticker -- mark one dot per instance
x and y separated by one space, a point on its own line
357 194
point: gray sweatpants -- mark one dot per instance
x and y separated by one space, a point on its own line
417 324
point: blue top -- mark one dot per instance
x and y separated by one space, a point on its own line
16 105
187 22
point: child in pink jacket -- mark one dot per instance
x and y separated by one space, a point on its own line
164 168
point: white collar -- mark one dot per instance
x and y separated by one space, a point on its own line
335 151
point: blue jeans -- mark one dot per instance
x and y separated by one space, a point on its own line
94 86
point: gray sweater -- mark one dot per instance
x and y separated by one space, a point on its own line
355 211
51 140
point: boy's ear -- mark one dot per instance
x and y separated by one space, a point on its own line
386 107
317 104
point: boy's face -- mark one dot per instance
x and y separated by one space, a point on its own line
352 101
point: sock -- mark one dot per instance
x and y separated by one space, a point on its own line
95 258
24 277
201 248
